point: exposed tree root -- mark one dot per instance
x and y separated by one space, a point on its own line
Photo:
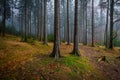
76 53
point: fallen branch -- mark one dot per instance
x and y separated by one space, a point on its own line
102 58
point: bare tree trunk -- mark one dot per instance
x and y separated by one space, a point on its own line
106 28
56 49
111 23
35 23
86 26
35 19
41 21
83 23
20 23
45 27
25 39
92 23
4 20
76 42
38 22
12 15
68 29
30 23
64 21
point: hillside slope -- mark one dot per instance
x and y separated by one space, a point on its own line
31 61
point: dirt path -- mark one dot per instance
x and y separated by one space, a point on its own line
111 68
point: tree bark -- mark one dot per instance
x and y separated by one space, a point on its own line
86 26
12 15
26 21
45 29
106 27
76 42
64 7
4 20
56 48
111 23
92 23
38 20
68 29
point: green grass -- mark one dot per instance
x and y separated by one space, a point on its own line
77 64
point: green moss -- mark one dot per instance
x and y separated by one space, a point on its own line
76 63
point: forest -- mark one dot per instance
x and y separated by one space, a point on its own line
59 39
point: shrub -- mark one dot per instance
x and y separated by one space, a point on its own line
11 30
51 37
31 40
117 42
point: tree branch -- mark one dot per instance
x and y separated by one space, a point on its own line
116 1
117 20
115 35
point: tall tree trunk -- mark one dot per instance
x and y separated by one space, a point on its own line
35 19
64 12
25 39
86 26
83 5
35 24
56 48
20 23
4 20
41 21
101 23
45 27
76 42
30 23
106 27
68 29
38 20
12 15
92 23
111 23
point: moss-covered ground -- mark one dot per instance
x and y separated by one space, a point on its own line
31 61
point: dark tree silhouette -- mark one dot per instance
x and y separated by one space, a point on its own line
111 23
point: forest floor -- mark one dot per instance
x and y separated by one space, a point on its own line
31 61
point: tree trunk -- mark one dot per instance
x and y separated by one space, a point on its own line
83 5
38 21
12 16
41 21
45 29
56 49
92 23
64 7
4 20
86 26
68 29
111 23
106 28
25 39
76 43
30 23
